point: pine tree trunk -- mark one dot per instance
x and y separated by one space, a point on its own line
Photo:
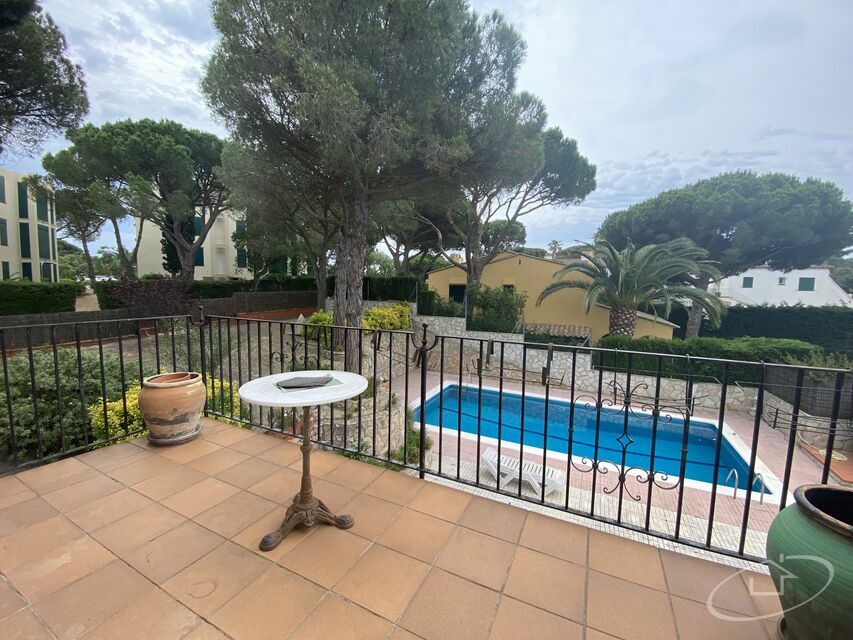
90 265
320 268
623 321
349 276
694 320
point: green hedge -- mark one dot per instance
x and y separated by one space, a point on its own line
495 309
828 327
770 350
19 297
547 338
430 303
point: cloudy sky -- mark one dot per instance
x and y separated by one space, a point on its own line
658 94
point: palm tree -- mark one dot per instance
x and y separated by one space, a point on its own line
650 278
554 248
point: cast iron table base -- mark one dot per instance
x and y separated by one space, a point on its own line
306 509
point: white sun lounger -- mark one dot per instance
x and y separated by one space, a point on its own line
531 473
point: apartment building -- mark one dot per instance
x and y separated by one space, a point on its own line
812 287
27 232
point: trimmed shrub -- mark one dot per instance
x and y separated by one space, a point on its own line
770 350
432 304
391 317
496 309
18 297
315 321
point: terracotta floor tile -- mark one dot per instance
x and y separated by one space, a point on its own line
10 485
400 633
626 559
32 542
218 461
517 620
281 453
447 606
10 601
56 475
555 537
169 483
441 502
16 498
131 532
325 556
270 608
334 496
24 514
247 473
354 475
111 465
115 453
595 634
342 620
417 535
763 593
229 436
258 443
695 622
383 581
232 515
189 451
628 610
75 495
371 515
175 550
23 626
172 620
250 537
148 467
478 557
206 631
322 462
213 580
199 497
547 583
101 512
59 567
696 579
280 487
90 601
495 519
394 486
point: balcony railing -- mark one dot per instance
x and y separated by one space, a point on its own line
696 450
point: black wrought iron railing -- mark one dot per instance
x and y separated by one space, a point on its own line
701 451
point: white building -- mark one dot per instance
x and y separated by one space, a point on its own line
218 257
812 287
27 232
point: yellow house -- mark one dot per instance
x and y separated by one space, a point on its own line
530 275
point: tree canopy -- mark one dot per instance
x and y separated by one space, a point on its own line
41 92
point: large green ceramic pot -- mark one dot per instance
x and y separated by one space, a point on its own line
810 554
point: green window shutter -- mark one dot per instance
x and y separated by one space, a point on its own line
45 272
44 242
24 231
6 274
242 259
26 271
53 244
2 188
197 225
41 208
747 282
806 284
4 233
199 257
23 203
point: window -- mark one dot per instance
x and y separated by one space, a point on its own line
44 242
41 208
242 260
55 273
24 231
747 282
46 272
26 271
23 203
806 284
4 233
6 274
2 188
199 256
782 281
53 244
456 292
509 287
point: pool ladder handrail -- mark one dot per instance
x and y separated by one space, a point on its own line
758 478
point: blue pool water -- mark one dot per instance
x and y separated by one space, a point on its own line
701 442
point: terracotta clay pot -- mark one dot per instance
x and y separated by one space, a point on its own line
171 405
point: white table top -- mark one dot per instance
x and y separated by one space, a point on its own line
263 392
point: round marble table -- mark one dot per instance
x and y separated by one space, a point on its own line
305 509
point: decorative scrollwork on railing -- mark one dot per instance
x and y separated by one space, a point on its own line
294 361
657 477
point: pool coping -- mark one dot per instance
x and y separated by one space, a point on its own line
771 480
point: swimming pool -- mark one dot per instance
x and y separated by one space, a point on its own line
701 442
